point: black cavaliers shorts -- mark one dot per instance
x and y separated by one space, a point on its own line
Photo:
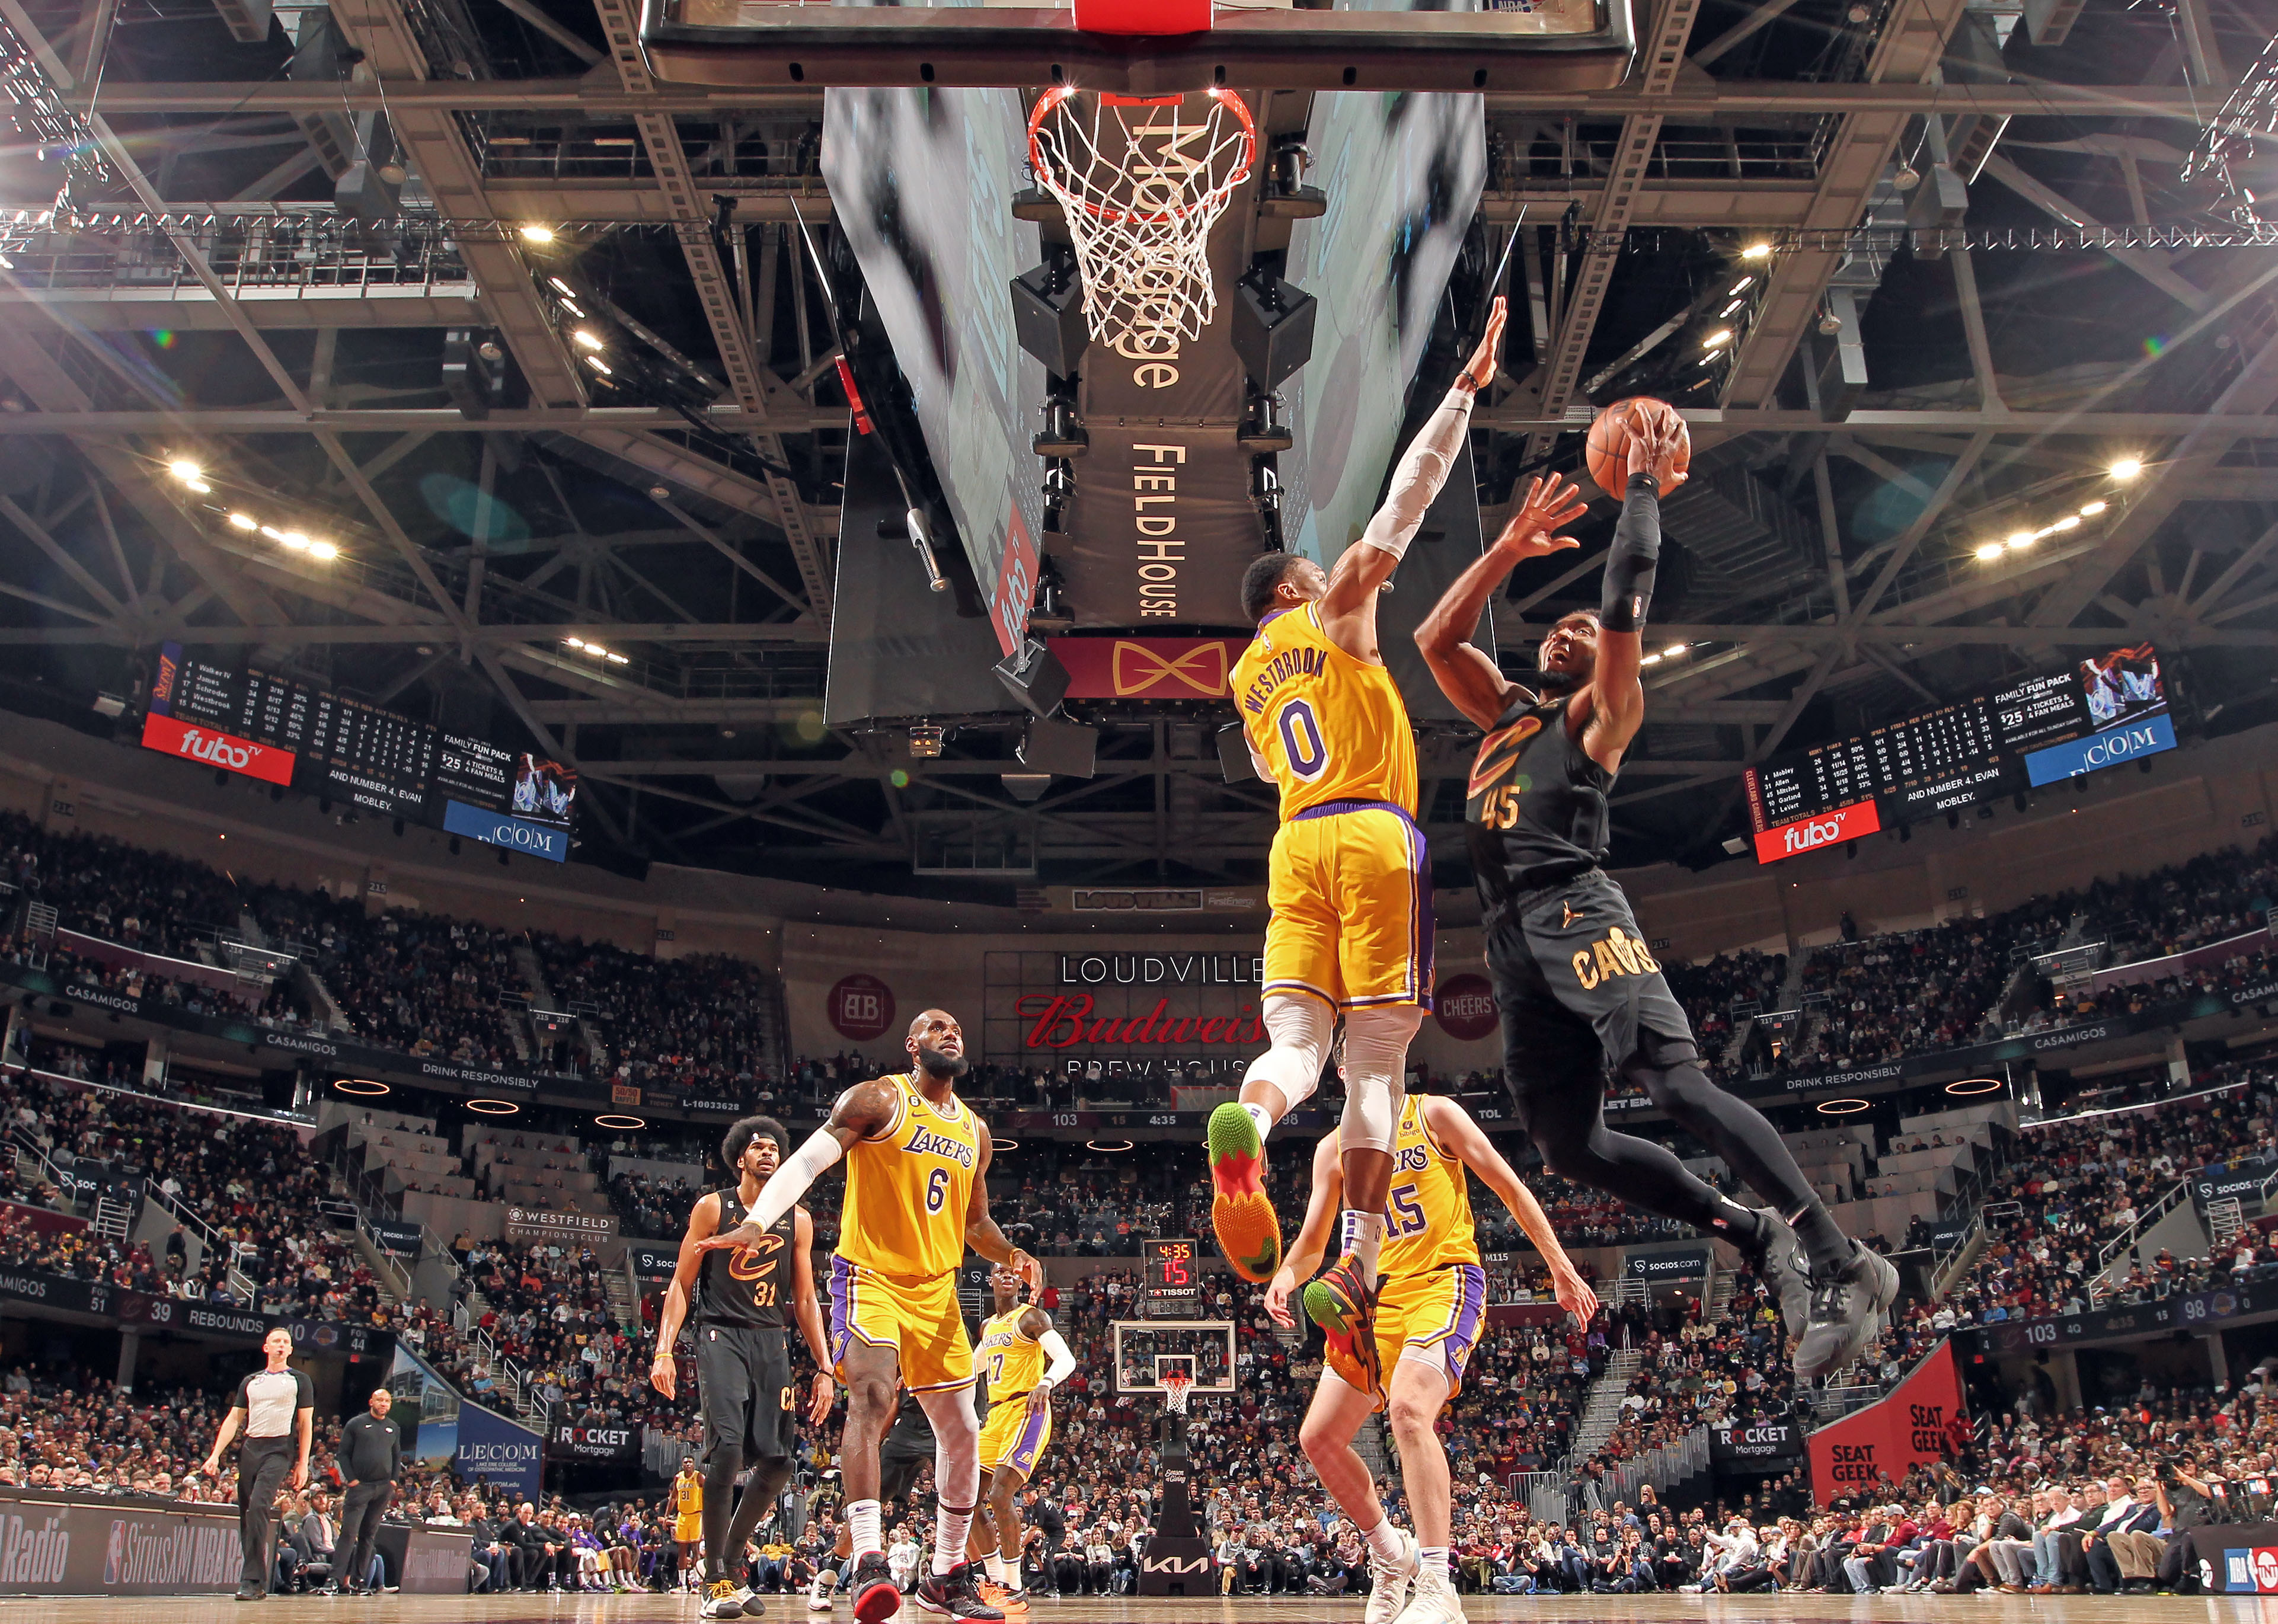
743 1381
1578 989
907 1445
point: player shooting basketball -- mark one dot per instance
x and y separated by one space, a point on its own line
1429 1316
1350 886
917 1195
1578 989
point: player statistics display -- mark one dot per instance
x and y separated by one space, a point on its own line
289 733
2096 713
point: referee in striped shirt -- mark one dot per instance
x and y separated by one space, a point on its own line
275 1407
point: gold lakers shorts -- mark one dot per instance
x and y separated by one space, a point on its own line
1435 1317
917 1318
1351 894
1017 1427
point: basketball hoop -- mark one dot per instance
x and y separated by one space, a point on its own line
1178 1385
1140 187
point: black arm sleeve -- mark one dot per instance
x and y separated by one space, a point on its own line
1631 562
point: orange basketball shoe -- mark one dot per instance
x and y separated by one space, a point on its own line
1011 1604
1345 1309
1248 1232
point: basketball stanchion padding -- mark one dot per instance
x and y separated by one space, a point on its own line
1143 15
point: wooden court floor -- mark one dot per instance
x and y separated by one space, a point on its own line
569 1609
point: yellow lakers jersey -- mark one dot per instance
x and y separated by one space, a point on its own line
907 1185
1332 728
1013 1363
1428 1211
688 1495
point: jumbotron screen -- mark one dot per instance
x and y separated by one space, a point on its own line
2093 714
309 739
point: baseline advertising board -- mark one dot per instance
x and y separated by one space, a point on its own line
264 726
1885 1440
64 1546
2097 714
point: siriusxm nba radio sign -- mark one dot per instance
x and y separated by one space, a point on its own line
2112 747
538 840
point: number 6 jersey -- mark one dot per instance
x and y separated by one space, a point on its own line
1330 726
907 1185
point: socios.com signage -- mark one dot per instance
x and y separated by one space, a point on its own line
508 833
2111 748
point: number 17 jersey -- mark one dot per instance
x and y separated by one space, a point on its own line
1332 727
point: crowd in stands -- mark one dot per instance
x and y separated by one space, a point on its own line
423 983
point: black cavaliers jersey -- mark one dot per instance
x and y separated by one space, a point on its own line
1535 813
746 1286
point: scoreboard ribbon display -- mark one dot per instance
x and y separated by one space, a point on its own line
2095 715
285 732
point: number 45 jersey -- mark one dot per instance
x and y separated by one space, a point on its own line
1350 880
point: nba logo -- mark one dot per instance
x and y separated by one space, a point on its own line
114 1554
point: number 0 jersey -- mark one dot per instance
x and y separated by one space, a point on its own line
1332 728
907 1185
1428 1210
750 1285
1013 1363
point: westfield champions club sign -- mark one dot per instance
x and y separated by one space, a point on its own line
1134 1013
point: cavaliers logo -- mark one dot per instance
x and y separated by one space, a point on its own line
1489 804
751 1263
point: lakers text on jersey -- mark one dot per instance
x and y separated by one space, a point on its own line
1020 1422
901 1235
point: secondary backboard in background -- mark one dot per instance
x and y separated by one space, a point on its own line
1507 45
1145 1350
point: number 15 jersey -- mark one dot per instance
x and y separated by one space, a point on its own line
1330 726
908 1187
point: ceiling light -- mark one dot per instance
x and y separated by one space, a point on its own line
272 532
598 365
2127 467
244 521
2070 521
562 287
189 472
2092 509
2021 539
596 648
571 305
536 233
1757 250
200 486
324 549
585 339
574 642
1990 550
1673 651
294 539
619 660
1742 285
1723 336
1650 659
1729 309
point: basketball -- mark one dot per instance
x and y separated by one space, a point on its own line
1607 450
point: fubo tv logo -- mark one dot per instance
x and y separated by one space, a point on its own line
226 750
1788 840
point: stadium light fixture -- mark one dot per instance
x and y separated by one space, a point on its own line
585 339
1990 550
324 549
244 521
1741 286
2092 509
2127 468
1722 336
538 234
189 472
1757 251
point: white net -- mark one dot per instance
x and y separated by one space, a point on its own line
1177 1384
1140 180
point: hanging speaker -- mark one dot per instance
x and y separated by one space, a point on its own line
1067 748
1034 675
1048 316
1272 328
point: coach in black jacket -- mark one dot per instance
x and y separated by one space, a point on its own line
371 1458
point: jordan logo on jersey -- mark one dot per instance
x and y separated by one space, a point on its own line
1615 953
